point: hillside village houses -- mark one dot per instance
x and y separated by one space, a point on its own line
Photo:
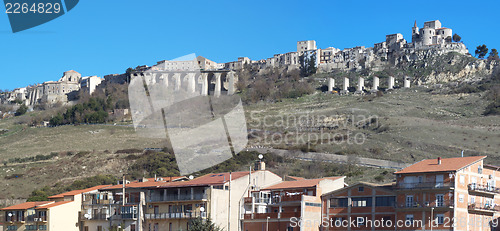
432 37
432 194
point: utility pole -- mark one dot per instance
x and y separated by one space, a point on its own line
229 206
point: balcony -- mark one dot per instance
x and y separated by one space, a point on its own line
264 216
168 198
97 216
36 218
185 215
424 186
483 189
483 208
424 205
290 198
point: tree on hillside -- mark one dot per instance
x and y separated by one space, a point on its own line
494 55
21 110
129 73
456 38
481 51
308 64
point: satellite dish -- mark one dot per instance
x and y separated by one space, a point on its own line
10 214
261 156
191 177
86 215
202 209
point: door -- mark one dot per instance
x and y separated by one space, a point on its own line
409 201
439 200
439 181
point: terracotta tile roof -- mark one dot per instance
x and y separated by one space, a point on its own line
76 192
294 178
207 180
384 187
46 206
147 184
306 183
27 205
447 165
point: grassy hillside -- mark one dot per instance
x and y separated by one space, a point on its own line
402 125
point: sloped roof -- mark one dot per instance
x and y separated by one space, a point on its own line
305 183
151 182
206 180
76 192
384 187
447 165
50 205
27 205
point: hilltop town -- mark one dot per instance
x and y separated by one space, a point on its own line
418 106
433 40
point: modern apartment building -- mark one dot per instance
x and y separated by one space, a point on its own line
359 202
434 194
217 196
283 205
61 213
108 209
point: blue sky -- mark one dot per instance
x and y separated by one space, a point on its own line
100 37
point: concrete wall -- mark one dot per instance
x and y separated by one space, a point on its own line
63 217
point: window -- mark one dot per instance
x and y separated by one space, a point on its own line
11 227
361 189
313 204
30 227
439 200
44 227
361 202
289 228
360 221
461 197
132 227
462 179
480 169
385 201
409 219
409 200
440 218
338 202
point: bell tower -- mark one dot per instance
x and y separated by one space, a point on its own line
415 34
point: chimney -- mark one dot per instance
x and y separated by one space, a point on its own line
439 160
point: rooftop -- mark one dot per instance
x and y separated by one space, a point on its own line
207 180
27 205
150 182
76 192
447 165
300 183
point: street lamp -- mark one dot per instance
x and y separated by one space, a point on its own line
267 223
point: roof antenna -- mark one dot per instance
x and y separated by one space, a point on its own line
462 153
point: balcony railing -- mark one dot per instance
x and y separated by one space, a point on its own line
264 216
483 207
97 216
483 188
290 198
257 200
36 218
15 218
425 204
185 215
427 185
196 196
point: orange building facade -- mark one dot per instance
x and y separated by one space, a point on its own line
436 194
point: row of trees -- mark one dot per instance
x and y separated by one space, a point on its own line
482 51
